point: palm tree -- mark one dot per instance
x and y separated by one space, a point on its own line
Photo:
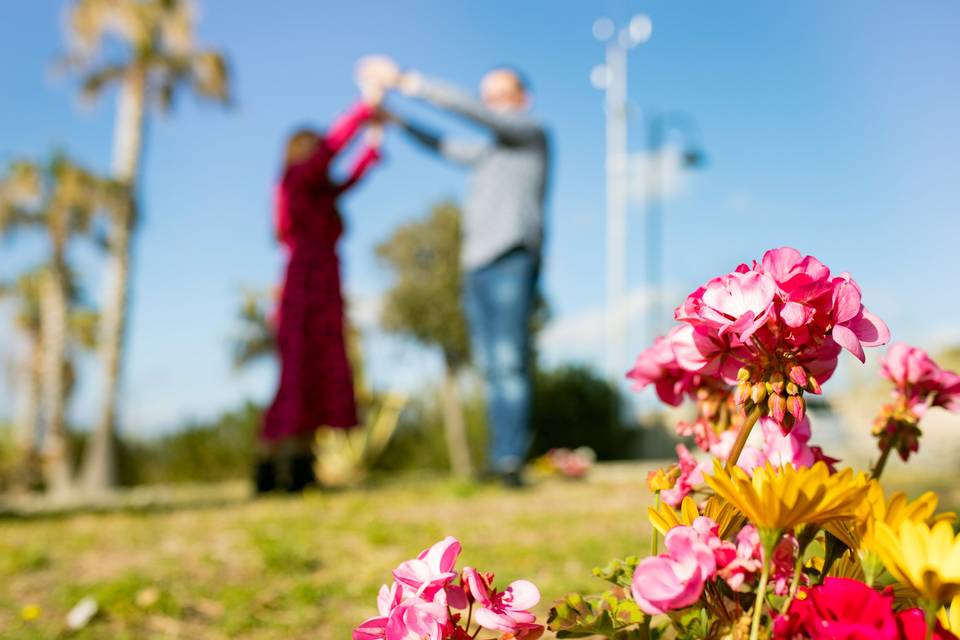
25 293
62 199
159 60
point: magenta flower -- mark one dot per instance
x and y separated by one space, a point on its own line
846 609
431 571
839 609
507 610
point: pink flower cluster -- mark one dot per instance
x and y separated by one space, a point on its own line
694 556
780 449
420 603
919 380
846 609
658 365
918 385
786 303
776 448
774 328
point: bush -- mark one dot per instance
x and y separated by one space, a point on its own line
573 406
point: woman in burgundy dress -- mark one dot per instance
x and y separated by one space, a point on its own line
316 383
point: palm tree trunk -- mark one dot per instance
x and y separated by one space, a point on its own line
27 425
99 471
455 429
56 455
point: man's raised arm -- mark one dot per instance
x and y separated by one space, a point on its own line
460 151
510 125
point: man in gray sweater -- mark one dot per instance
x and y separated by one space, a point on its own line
502 241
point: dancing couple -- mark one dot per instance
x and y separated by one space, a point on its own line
502 239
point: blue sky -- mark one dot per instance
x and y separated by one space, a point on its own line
829 126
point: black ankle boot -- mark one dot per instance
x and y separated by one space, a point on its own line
301 473
265 477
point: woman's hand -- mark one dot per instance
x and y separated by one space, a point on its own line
375 75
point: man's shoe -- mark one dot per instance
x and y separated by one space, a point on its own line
512 480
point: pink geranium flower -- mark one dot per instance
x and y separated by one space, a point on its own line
854 326
431 571
737 303
399 619
507 610
691 475
703 350
674 579
417 620
747 560
658 366
920 380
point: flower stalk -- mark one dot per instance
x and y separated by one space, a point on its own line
742 437
881 462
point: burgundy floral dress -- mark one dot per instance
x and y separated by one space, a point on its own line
316 383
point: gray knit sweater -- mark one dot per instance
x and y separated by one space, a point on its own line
504 206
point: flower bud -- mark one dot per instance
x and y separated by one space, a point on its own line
777 407
758 392
797 407
658 480
813 386
793 389
742 393
776 382
743 374
798 375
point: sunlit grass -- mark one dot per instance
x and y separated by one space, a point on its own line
295 567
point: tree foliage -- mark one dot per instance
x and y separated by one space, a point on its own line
424 302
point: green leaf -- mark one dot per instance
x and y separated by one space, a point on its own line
618 572
612 614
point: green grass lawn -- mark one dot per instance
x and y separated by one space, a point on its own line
221 566
209 563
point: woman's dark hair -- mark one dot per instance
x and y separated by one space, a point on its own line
300 145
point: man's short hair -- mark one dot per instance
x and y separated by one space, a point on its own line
522 79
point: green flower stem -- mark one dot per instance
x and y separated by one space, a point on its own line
656 534
794 584
758 604
881 462
742 436
769 540
930 611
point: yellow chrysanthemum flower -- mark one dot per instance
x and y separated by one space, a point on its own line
950 618
663 518
859 533
922 557
728 519
780 498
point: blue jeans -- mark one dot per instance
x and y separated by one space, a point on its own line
499 299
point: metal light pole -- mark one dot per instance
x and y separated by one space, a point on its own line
658 126
612 78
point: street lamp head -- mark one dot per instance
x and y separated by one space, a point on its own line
600 76
694 158
603 29
640 28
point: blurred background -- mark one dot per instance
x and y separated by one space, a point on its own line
732 128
